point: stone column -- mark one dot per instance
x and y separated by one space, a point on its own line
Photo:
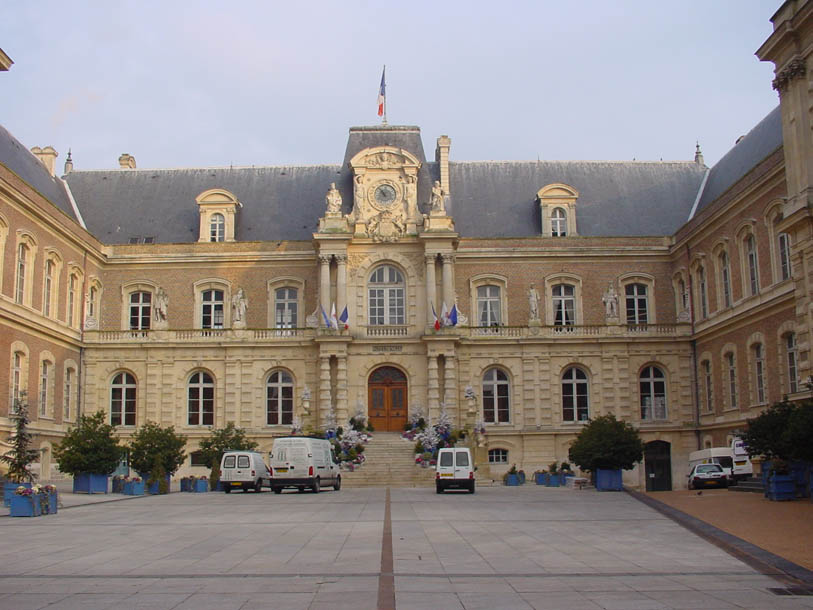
324 284
448 280
432 388
324 388
341 283
450 387
342 414
431 297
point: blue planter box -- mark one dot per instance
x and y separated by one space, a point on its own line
90 483
53 503
200 487
133 488
25 506
521 476
781 487
799 470
153 489
553 480
608 480
512 480
186 484
116 485
541 478
8 491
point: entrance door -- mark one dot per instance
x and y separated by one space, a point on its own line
658 466
387 403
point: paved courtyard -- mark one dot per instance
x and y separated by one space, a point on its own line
525 547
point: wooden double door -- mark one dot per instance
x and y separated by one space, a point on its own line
387 399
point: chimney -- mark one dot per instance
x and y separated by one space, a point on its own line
127 161
47 157
68 164
442 159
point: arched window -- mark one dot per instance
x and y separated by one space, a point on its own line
725 279
211 314
279 399
753 272
558 223
217 227
792 359
653 394
498 456
285 306
17 378
22 269
759 372
123 400
488 305
496 397
575 398
46 390
784 255
48 288
140 310
564 305
636 301
701 293
201 400
386 296
731 364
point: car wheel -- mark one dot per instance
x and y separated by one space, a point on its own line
316 487
277 490
338 485
227 490
258 486
471 488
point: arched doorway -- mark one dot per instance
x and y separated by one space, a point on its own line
658 466
387 399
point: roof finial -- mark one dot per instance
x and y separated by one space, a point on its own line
698 155
68 163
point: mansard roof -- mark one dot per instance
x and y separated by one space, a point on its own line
22 162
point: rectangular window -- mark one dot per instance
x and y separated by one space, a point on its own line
44 380
488 305
732 380
446 459
462 458
243 461
564 305
22 261
285 305
707 381
784 256
793 382
753 274
212 309
17 379
140 310
71 313
66 411
636 304
759 372
725 279
228 462
46 296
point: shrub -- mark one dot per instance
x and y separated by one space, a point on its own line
607 443
152 443
89 447
20 457
218 442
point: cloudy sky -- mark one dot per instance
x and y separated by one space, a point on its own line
205 83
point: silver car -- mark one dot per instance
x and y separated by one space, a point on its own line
707 475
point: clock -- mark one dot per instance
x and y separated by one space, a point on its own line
384 195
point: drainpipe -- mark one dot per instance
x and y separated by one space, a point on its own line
696 393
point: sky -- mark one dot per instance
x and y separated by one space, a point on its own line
213 83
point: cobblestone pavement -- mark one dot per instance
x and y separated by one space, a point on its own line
520 547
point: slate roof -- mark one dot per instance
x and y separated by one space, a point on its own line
22 162
760 142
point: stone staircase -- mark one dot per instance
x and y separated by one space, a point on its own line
752 484
390 462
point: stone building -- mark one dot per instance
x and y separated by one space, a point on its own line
673 295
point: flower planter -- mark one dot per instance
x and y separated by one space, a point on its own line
51 503
512 480
521 476
781 487
25 506
116 485
8 491
608 480
199 486
153 489
553 480
541 478
133 488
799 470
90 483
186 484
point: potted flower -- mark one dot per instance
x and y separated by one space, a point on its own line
25 502
553 480
541 477
90 452
511 478
20 457
565 472
49 500
605 447
116 483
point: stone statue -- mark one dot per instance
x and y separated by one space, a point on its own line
161 305
437 198
610 300
239 305
533 303
333 199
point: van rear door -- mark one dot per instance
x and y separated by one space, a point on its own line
461 465
227 471
242 471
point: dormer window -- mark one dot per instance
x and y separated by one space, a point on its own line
557 203
218 212
558 223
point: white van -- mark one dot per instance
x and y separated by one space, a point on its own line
733 459
243 470
303 461
454 469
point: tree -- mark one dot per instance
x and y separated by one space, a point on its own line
20 457
218 442
800 432
154 446
783 431
607 443
89 447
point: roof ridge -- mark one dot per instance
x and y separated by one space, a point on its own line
615 162
127 170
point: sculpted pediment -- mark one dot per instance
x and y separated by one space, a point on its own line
384 158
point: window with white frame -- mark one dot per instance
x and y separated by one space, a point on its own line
731 365
784 256
217 227
73 287
211 313
498 456
682 296
46 374
564 305
285 307
279 399
385 293
759 372
123 400
22 273
701 292
575 397
636 302
48 288
489 305
792 359
68 393
753 270
652 384
496 397
17 377
558 222
93 300
201 400
725 279
140 310
708 387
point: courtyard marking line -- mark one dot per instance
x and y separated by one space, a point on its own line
386 579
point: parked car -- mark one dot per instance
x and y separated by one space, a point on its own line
454 470
302 461
243 470
706 475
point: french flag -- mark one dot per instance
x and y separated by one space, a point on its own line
382 93
344 318
334 323
434 315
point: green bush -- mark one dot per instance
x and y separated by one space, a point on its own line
20 457
153 443
607 443
89 447
782 432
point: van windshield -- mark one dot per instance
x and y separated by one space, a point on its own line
446 458
462 458
228 462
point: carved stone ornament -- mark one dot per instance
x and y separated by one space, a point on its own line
795 69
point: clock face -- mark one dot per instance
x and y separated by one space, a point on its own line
385 195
